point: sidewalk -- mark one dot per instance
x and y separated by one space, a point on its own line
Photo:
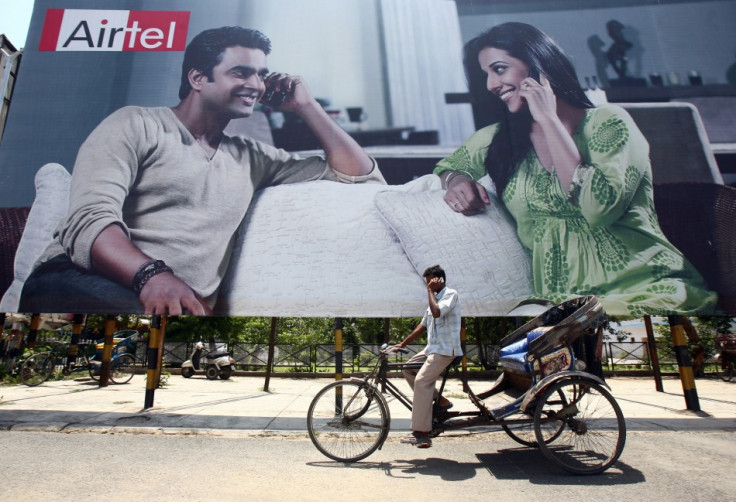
239 407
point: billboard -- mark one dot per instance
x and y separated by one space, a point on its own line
332 201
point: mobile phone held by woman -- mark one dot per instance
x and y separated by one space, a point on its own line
534 73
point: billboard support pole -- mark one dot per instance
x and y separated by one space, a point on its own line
463 340
33 330
271 345
154 340
338 348
107 350
161 347
684 362
653 356
73 350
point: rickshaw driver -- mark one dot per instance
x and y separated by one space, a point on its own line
442 322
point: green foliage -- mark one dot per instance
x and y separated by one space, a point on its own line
489 330
164 380
96 323
194 329
314 330
610 331
320 330
706 327
6 377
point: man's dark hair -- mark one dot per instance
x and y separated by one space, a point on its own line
434 271
205 50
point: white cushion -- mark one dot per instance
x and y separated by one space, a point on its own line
320 249
49 208
481 254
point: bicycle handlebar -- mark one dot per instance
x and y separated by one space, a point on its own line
393 349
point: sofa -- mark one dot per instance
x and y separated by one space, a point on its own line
324 249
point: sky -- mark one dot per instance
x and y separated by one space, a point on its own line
15 16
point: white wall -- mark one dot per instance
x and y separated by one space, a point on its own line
333 44
677 37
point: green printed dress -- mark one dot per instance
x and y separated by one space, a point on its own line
602 238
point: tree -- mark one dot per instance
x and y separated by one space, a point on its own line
609 330
95 323
221 329
706 327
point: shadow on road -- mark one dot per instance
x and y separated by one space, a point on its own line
530 464
447 470
507 464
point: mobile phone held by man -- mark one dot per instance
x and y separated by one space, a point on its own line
271 97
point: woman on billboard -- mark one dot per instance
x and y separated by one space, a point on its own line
576 178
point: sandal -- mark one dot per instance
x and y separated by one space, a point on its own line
444 409
417 439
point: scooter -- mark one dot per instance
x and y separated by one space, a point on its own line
213 364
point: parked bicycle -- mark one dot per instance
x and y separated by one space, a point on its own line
568 413
39 367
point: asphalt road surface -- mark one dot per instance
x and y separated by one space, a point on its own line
42 466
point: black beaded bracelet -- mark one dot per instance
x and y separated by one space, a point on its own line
148 270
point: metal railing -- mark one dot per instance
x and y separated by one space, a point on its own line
356 358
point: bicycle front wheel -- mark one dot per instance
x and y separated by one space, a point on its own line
594 430
123 369
37 369
347 421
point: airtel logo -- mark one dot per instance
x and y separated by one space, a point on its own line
114 30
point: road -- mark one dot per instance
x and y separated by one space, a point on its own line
48 467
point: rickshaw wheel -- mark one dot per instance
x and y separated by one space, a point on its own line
123 369
593 428
347 421
525 433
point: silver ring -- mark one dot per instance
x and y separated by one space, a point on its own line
454 204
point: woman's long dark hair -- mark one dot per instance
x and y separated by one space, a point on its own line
511 144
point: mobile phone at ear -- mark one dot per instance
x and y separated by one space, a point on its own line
272 98
534 73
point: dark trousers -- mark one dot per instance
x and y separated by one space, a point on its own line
59 286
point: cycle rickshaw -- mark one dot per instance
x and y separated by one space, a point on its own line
555 404
40 366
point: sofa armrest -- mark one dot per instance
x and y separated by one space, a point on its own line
698 219
49 207
12 222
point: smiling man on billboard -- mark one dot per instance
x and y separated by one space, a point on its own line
158 193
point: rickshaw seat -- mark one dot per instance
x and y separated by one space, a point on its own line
523 344
513 356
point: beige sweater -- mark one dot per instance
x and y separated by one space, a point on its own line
143 170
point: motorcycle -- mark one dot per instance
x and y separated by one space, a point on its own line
214 364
